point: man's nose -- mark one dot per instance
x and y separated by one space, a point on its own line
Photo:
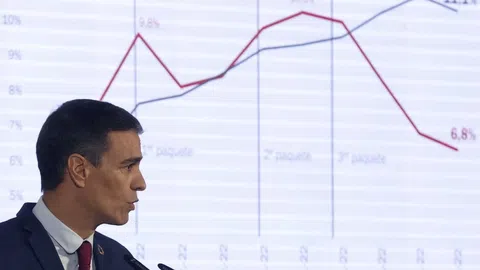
139 183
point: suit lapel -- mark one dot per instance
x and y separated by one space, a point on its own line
41 244
98 254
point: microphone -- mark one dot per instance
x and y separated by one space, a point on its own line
135 263
164 267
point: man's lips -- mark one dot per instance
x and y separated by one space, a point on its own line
132 205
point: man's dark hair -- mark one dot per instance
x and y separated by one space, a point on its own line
78 126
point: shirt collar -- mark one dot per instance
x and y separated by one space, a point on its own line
63 235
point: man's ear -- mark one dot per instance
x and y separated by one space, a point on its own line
78 168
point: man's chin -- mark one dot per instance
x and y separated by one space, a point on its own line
119 221
123 221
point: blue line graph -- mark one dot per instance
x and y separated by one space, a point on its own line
295 45
442 5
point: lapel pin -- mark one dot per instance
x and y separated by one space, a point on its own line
100 250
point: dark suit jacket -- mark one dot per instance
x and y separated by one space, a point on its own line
26 245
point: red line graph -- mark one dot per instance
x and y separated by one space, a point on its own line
265 27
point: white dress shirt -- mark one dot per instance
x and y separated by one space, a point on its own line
65 240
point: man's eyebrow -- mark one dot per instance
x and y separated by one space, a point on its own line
131 160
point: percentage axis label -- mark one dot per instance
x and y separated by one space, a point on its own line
10 19
16 195
15 90
15 124
14 55
16 161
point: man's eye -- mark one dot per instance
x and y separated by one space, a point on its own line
130 167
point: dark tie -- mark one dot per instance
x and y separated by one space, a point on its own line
84 256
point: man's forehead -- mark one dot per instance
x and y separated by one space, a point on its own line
124 141
127 135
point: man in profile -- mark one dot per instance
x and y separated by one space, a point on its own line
88 154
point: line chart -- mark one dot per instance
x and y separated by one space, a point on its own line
331 142
235 62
